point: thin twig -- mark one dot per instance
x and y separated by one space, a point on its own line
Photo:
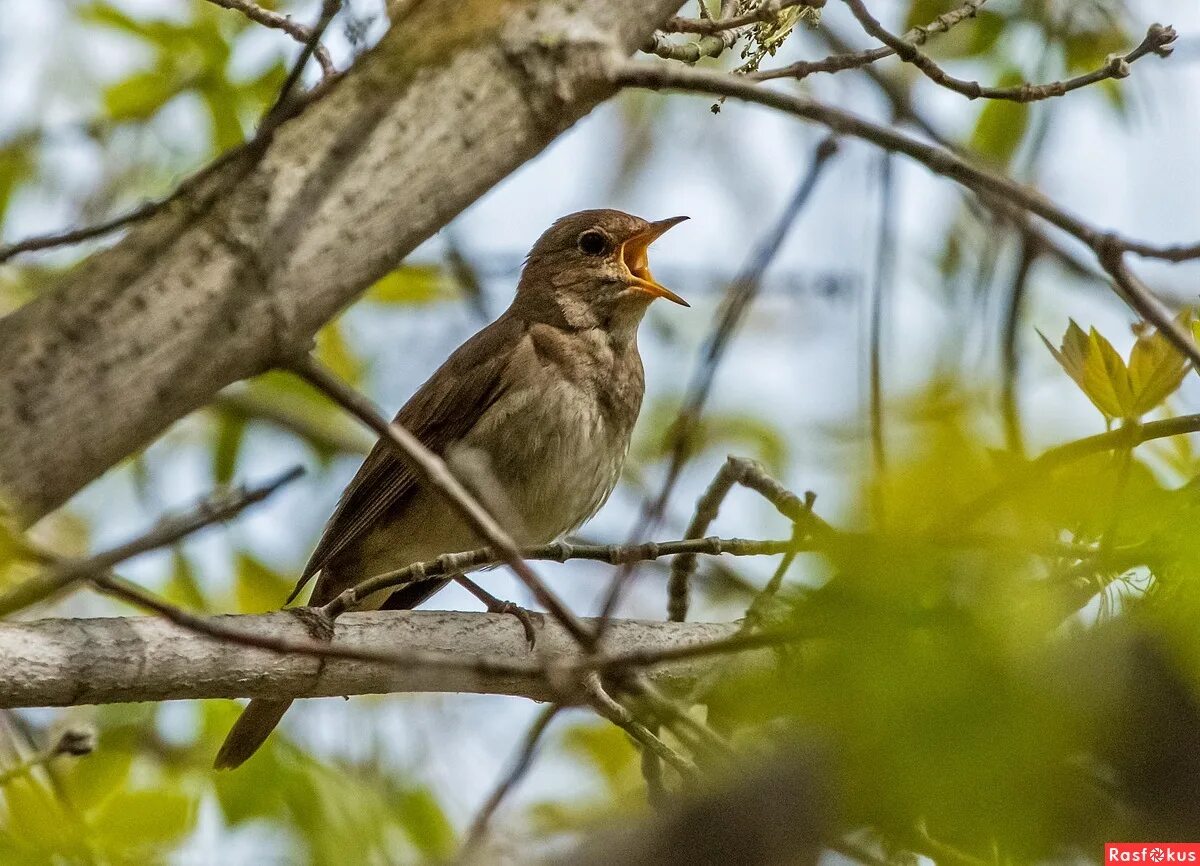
1127 436
853 60
215 508
882 278
1157 41
1009 356
75 742
682 724
277 21
751 475
524 760
249 152
708 506
85 233
608 708
737 302
558 551
706 25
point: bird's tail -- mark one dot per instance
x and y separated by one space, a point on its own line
249 732
261 716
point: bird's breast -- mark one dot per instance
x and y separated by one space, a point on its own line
556 447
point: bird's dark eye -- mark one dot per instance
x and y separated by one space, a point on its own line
593 243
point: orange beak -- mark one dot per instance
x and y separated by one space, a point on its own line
633 254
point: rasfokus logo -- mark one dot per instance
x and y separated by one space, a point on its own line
1152 852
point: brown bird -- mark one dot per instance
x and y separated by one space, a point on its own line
547 395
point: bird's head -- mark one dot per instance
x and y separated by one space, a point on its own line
590 270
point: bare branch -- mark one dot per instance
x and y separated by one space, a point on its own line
1158 41
524 760
608 708
277 21
749 474
284 108
558 551
66 662
215 508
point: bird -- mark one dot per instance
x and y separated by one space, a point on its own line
546 395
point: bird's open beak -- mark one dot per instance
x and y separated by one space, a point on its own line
633 254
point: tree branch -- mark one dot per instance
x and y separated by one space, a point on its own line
277 21
1157 41
216 508
67 662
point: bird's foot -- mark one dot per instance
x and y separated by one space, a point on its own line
496 605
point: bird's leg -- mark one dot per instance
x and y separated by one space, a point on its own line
496 605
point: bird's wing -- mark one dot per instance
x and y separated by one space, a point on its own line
439 414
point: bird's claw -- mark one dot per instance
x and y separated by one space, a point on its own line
524 616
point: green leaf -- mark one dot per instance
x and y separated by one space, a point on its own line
605 748
972 38
335 352
921 12
145 819
1156 368
1097 369
89 783
411 284
221 100
227 443
259 588
424 822
141 95
1106 379
37 829
16 167
1001 125
182 586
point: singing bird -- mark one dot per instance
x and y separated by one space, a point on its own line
547 395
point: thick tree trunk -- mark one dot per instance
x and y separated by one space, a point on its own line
67 662
245 268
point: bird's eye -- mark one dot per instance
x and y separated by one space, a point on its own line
593 243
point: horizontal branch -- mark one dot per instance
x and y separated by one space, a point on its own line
68 662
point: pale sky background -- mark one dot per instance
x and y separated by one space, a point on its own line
798 362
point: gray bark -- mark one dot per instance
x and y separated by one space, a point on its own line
243 270
68 662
